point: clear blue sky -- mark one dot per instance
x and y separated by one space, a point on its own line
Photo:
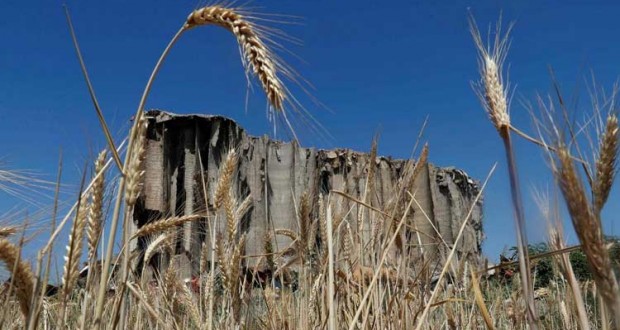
378 67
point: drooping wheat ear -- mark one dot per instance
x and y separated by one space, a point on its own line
74 249
288 233
256 54
588 228
95 215
161 225
243 208
606 163
224 183
23 279
491 89
135 171
154 246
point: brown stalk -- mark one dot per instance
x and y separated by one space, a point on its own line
480 301
91 91
40 289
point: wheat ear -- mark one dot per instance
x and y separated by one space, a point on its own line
606 163
243 208
256 55
491 89
493 94
7 231
23 279
154 246
95 215
74 250
225 180
588 228
161 225
234 271
135 172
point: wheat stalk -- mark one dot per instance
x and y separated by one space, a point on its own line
23 279
264 65
493 94
491 89
256 54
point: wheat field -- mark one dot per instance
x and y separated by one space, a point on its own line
330 277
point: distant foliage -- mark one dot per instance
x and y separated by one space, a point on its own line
543 268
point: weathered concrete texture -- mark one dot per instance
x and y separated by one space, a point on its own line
276 174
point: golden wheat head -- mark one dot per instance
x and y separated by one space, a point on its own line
95 215
491 89
74 249
606 162
588 228
256 54
135 173
23 279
